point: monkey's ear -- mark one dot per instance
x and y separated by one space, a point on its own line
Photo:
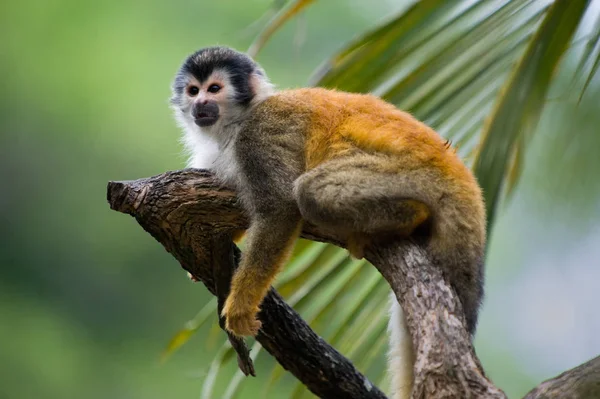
259 85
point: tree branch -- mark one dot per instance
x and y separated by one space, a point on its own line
580 382
192 216
446 365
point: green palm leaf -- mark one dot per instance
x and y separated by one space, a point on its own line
519 108
284 15
592 47
190 328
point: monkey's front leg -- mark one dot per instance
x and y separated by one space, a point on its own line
269 242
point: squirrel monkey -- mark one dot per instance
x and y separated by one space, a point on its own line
350 163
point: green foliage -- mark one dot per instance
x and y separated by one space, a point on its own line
284 15
519 108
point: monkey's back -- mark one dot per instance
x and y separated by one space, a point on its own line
335 124
341 123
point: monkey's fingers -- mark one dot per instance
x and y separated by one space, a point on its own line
243 325
240 316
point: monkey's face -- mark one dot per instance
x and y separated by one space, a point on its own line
205 102
214 87
207 98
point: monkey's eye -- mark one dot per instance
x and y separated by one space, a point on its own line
214 88
193 91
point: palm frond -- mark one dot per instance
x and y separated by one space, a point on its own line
368 58
284 15
190 328
520 105
592 47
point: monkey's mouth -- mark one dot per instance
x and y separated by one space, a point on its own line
204 119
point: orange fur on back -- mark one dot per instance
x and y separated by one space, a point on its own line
342 122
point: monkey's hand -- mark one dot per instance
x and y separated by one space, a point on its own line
241 308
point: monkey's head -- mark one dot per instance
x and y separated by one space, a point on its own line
215 85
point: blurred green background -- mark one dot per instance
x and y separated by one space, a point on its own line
88 301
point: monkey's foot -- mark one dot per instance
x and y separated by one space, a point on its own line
240 322
356 245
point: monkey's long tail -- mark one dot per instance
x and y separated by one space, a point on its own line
401 357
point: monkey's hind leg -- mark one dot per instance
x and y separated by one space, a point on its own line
358 199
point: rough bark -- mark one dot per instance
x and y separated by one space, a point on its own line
446 365
193 218
580 382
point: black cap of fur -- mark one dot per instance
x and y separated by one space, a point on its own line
203 62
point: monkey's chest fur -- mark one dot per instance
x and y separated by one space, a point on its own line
226 166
